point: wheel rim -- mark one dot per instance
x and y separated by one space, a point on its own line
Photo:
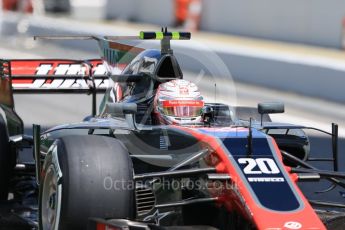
50 200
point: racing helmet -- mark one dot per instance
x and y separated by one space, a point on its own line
178 102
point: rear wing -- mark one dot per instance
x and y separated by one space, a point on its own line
76 76
52 76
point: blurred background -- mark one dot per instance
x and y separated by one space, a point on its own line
291 51
309 22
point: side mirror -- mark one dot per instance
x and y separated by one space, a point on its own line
270 107
128 110
120 109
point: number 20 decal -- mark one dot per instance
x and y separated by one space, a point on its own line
265 165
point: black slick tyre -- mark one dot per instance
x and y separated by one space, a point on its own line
85 177
5 164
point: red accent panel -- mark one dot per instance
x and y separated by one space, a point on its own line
22 81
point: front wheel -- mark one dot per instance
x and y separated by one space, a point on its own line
85 177
5 162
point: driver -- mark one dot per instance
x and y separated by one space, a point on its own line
178 102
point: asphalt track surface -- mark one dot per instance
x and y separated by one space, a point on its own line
50 110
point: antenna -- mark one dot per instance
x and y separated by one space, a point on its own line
250 139
215 92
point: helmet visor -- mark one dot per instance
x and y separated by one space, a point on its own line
182 108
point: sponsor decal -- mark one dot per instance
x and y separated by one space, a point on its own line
173 103
81 82
184 91
266 179
260 166
293 225
69 69
157 216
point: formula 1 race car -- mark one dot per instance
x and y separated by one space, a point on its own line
156 156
